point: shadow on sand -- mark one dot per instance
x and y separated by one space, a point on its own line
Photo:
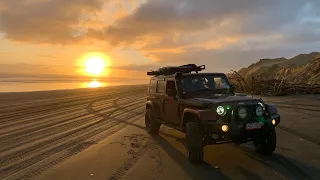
202 171
289 168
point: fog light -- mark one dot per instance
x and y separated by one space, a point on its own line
225 128
273 121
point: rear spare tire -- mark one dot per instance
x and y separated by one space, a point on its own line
194 142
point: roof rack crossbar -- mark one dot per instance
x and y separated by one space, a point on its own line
169 70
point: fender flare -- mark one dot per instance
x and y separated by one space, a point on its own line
187 111
272 109
201 115
150 104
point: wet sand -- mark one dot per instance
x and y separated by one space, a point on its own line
99 134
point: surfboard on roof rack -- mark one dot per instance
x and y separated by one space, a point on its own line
169 70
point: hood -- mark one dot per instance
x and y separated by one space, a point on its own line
228 99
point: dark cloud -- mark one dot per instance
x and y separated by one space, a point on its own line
261 29
44 21
177 31
55 21
232 58
161 17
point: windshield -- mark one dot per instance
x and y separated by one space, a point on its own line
203 83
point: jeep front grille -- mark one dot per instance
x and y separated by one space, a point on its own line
234 113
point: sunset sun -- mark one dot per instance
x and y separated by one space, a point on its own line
95 64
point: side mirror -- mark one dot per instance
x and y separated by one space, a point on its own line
232 89
171 92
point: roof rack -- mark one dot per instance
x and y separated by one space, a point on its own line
169 70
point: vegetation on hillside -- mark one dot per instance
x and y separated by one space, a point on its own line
281 76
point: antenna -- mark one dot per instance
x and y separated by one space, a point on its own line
252 86
169 70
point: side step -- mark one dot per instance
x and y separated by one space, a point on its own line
171 125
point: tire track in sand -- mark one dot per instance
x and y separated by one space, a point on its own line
26 163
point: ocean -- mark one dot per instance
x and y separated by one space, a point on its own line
43 84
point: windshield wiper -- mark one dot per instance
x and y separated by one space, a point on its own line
199 90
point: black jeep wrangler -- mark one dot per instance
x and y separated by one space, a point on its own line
205 107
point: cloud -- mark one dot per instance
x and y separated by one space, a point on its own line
164 17
45 21
1 53
135 67
221 33
49 56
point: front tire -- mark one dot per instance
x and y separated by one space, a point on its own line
267 143
152 126
194 142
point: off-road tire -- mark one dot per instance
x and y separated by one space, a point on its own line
152 126
267 143
194 142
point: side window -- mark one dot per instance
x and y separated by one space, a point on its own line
161 87
171 85
152 86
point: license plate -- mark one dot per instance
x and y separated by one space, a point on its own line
251 126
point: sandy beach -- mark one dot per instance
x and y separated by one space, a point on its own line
99 134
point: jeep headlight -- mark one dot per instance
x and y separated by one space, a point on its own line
242 113
221 110
259 111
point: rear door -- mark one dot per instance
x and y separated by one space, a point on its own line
153 97
160 96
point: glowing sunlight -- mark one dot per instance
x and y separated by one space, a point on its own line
95 84
95 64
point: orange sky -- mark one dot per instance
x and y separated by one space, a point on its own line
52 36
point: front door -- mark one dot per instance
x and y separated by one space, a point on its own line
171 106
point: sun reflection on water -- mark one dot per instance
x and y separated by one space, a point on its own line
95 84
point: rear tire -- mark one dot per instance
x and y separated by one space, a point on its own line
267 143
152 126
194 142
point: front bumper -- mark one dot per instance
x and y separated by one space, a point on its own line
237 132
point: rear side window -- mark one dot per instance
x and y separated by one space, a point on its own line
152 86
171 85
161 87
